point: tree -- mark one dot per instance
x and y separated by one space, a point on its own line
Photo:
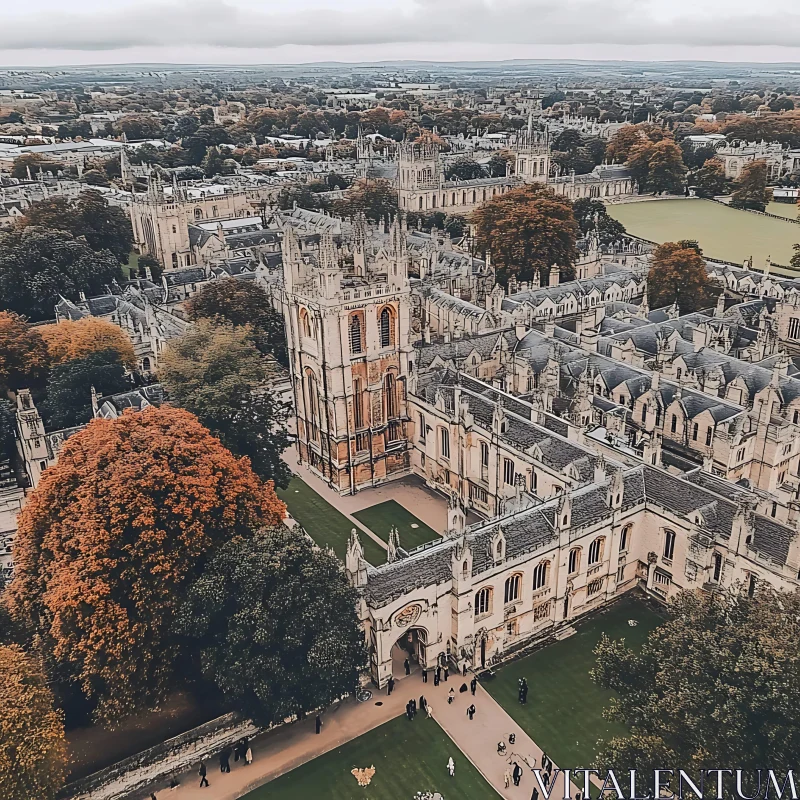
33 751
71 339
751 187
657 167
69 397
216 372
301 195
243 303
376 199
528 230
624 141
464 169
8 426
710 179
38 265
678 275
277 626
111 538
591 215
23 354
717 683
497 164
795 260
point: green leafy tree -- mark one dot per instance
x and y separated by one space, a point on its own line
376 199
591 215
496 166
7 436
678 275
243 303
301 195
716 684
658 167
37 265
464 169
69 397
528 230
710 179
750 189
216 372
275 621
24 358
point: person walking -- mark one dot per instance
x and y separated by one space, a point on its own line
248 755
407 666
153 796
517 774
429 709
424 674
473 685
436 678
318 723
202 773
471 712
438 675
446 672
464 668
390 685
422 702
450 695
225 760
507 778
451 767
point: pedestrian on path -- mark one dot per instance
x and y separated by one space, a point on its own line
153 796
429 709
517 774
422 702
507 778
546 762
424 674
413 707
390 685
248 755
451 767
450 695
473 685
407 666
446 672
202 773
546 779
318 722
535 794
436 677
464 668
225 760
471 712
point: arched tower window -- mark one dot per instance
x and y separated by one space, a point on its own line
512 589
541 575
356 335
574 561
358 404
596 551
386 327
390 395
483 602
305 323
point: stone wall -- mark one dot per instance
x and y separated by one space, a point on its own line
171 757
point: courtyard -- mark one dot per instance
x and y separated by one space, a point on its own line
724 233
564 712
382 517
408 757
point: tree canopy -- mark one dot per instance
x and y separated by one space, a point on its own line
717 683
71 339
243 303
657 167
710 179
592 215
750 189
104 227
23 354
376 199
528 230
276 623
38 265
33 751
464 169
69 388
678 275
112 536
216 372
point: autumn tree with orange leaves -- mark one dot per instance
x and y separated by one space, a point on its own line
528 230
112 537
73 339
33 753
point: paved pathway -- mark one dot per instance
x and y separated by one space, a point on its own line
283 749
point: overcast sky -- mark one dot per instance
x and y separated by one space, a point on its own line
50 32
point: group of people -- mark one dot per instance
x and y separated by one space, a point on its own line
412 708
522 692
513 773
241 751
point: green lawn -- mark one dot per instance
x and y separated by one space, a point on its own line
380 518
724 233
408 757
131 269
323 523
564 712
788 210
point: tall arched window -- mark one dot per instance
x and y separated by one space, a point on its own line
305 323
624 539
312 405
669 545
356 337
358 404
541 574
512 589
385 327
574 560
596 551
483 602
444 442
390 395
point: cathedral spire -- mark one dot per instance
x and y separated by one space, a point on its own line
328 254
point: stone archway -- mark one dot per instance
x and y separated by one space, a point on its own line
412 644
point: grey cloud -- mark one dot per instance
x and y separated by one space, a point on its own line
220 24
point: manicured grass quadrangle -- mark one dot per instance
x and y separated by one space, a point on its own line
323 523
564 712
380 518
408 757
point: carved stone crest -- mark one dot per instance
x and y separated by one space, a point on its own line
407 616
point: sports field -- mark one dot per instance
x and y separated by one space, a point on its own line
724 233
